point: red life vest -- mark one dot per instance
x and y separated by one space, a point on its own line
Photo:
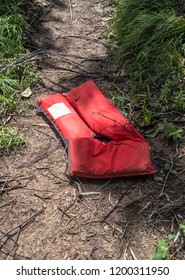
65 119
85 116
100 114
91 158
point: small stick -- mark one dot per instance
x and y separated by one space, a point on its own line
180 173
18 63
115 206
57 177
4 234
42 197
17 257
16 177
64 213
91 222
54 83
46 134
69 61
79 189
166 179
16 240
7 249
90 193
5 190
125 252
43 155
43 167
85 74
70 205
144 207
105 184
20 227
177 237
73 55
7 203
70 10
85 38
37 124
7 214
132 253
125 229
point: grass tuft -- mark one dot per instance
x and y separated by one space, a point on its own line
149 41
15 71
150 38
9 138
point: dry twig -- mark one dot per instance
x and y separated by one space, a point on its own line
166 179
30 57
17 229
40 157
5 190
46 134
70 10
115 206
7 203
85 38
132 253
7 213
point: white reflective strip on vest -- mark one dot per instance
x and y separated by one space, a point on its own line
58 110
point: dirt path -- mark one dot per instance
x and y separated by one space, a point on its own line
43 214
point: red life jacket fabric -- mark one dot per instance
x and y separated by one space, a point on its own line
64 117
100 114
87 113
91 158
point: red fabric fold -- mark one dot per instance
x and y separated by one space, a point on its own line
86 112
101 114
91 158
70 124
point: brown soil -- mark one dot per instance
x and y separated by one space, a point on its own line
46 215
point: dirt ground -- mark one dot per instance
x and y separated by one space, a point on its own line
46 215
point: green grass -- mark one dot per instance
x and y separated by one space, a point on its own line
9 7
166 248
150 36
149 41
9 138
14 77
